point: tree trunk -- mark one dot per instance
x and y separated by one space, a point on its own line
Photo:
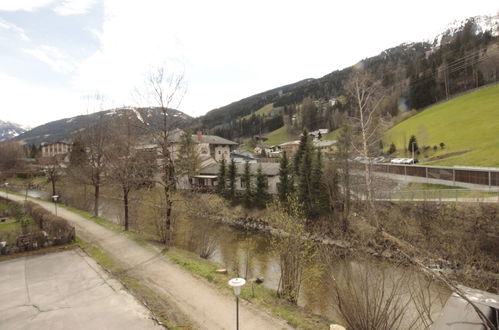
168 216
125 204
346 206
96 199
53 187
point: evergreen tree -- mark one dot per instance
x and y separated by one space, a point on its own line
392 149
304 174
246 181
422 91
285 180
305 144
317 188
413 144
232 179
221 177
261 188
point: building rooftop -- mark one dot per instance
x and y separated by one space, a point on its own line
176 137
290 143
269 169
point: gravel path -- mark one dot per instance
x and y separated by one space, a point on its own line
206 307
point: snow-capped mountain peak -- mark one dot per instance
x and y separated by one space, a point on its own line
10 130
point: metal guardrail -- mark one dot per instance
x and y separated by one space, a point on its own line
486 176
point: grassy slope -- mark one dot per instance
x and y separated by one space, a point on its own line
278 136
262 111
333 135
468 122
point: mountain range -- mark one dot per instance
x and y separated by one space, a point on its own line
67 128
10 130
412 75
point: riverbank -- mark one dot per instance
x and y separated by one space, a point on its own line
430 236
139 261
459 240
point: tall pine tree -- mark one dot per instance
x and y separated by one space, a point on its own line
261 188
222 177
246 181
232 179
304 173
285 181
318 189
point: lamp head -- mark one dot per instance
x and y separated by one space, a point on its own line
236 284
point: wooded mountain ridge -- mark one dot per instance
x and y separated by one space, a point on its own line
413 76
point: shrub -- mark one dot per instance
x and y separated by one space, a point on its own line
57 228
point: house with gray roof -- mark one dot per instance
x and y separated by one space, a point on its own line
208 176
212 146
207 145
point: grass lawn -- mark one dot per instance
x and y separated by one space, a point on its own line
278 136
467 123
262 111
331 136
10 225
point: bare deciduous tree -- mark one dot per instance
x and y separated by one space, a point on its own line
129 168
52 166
165 91
292 245
11 154
96 139
366 97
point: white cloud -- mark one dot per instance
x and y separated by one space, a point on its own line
74 7
58 61
33 105
27 5
228 49
231 50
14 28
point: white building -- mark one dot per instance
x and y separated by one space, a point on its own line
57 148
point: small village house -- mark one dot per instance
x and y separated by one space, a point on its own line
290 147
325 146
207 177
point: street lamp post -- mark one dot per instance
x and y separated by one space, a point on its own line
54 198
6 190
236 284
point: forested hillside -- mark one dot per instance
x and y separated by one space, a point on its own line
413 76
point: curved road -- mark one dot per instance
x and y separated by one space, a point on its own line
206 306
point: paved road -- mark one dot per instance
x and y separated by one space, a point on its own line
206 306
66 290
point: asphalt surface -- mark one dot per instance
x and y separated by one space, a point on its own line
66 290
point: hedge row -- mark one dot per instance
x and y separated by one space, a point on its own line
58 229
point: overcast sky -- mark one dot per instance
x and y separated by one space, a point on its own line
54 53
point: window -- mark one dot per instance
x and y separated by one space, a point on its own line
219 152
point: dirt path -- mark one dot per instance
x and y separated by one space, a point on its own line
201 302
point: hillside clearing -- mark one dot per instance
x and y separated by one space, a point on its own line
278 136
468 122
262 111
